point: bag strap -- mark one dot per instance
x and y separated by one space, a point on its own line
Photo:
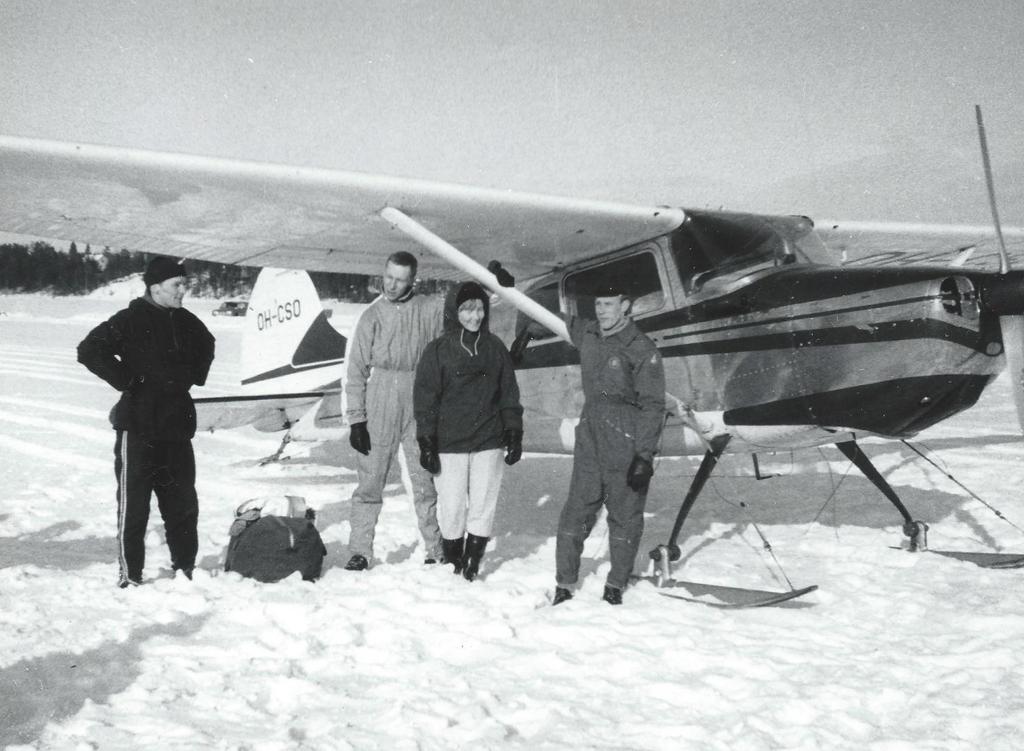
291 532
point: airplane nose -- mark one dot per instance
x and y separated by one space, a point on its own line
1003 294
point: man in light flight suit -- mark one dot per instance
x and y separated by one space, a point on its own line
383 352
616 439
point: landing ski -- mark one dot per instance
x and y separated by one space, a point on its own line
721 596
985 560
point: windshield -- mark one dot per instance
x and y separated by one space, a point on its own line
724 246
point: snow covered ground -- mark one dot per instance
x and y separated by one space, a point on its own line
894 651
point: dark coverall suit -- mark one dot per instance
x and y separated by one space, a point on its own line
153 356
623 415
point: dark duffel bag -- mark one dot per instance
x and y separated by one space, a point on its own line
270 548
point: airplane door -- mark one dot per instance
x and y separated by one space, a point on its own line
641 270
548 373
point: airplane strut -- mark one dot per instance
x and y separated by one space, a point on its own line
915 530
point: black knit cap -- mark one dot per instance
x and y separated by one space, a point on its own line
470 291
162 268
612 288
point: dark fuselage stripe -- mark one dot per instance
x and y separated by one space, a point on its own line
833 336
558 353
286 370
801 317
897 407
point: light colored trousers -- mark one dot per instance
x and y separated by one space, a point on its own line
467 492
392 428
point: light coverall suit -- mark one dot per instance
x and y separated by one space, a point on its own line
623 416
389 338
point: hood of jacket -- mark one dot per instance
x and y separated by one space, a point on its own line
451 311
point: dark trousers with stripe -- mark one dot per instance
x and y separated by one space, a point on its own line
167 468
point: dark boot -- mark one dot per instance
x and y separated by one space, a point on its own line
357 563
612 595
561 595
475 547
453 553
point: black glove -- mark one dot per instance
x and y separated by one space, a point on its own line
639 473
519 344
504 278
429 459
513 440
359 437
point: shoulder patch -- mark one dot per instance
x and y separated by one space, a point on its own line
655 358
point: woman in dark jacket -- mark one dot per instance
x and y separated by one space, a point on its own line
468 419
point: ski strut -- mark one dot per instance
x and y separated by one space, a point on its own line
707 466
915 530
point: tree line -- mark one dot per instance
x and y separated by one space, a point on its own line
41 268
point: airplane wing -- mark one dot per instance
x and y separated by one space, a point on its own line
259 214
898 243
267 413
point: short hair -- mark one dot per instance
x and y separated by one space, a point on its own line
404 258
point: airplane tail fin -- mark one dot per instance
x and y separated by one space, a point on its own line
288 345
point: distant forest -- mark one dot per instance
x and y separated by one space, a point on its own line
42 268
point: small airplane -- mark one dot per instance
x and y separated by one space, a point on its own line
769 342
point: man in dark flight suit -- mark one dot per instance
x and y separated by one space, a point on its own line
616 440
153 351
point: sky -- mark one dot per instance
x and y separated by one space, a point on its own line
847 108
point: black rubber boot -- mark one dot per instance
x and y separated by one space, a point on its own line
357 563
453 553
612 595
475 547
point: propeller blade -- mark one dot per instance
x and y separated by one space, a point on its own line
1004 257
1012 326
1013 345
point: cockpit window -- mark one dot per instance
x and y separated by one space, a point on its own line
547 296
724 246
643 284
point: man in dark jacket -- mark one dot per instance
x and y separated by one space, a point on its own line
616 439
153 351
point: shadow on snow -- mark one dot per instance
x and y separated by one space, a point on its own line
47 689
